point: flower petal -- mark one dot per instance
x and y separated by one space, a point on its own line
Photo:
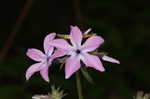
44 73
110 59
87 31
60 43
59 53
92 43
47 48
93 61
71 66
32 69
75 36
35 54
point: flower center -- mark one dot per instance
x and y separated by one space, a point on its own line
78 51
48 59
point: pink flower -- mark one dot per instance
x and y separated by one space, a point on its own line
44 60
79 51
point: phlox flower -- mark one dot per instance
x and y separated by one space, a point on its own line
78 51
43 60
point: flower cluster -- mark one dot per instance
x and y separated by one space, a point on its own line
76 49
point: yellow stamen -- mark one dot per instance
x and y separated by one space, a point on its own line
63 36
67 36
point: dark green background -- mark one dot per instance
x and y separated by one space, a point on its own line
124 24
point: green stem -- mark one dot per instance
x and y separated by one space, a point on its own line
78 84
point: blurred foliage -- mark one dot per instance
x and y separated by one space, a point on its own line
124 24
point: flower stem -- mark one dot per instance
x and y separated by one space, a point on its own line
78 84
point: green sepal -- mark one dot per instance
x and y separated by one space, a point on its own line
86 75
